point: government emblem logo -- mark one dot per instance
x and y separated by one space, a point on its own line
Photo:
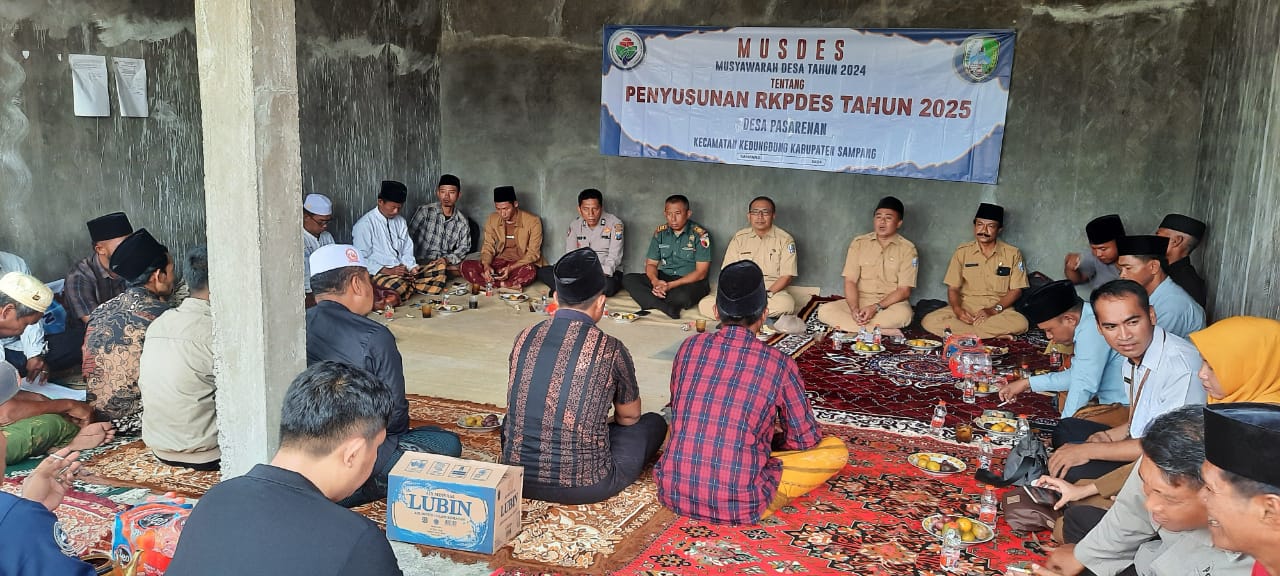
626 49
977 57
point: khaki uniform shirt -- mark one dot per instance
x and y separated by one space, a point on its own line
175 377
605 239
775 254
983 281
879 270
679 255
1128 536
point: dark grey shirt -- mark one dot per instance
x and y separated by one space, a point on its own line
275 521
337 334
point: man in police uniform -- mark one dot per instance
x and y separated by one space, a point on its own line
1184 234
771 248
879 273
1142 260
983 281
1097 266
676 265
599 230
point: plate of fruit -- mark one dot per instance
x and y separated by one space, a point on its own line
480 421
971 531
623 317
997 425
923 344
937 464
867 348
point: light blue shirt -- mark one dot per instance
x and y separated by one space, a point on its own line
31 341
383 243
1096 370
1176 311
1166 380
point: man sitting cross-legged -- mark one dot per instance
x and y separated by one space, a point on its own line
1158 524
338 330
676 265
565 376
280 518
730 393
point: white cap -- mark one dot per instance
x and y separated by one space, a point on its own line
334 256
9 382
318 204
28 290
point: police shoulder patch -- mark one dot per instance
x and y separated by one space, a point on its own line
1021 268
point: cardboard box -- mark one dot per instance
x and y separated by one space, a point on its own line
453 503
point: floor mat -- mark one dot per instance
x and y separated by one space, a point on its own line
866 520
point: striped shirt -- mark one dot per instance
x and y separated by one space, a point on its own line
438 236
88 285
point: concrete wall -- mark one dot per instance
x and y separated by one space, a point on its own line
1103 117
1238 182
368 86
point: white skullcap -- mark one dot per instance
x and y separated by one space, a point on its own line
28 290
318 204
334 256
9 381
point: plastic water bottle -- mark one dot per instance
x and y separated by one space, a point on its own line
1024 429
986 453
970 394
939 418
951 550
875 336
989 508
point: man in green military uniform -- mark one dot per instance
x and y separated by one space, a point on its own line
676 265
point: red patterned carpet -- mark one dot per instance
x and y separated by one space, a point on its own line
866 520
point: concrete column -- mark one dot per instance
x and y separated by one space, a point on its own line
253 203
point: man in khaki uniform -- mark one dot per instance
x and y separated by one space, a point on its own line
771 248
983 281
879 273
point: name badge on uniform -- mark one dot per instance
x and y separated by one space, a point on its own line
973 265
1003 271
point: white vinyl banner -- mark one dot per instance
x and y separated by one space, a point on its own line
912 103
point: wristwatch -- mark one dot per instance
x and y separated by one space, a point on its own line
879 308
998 308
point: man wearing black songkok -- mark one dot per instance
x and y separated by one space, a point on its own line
1242 480
1184 234
1097 266
984 279
566 375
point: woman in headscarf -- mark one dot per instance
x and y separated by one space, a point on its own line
1241 359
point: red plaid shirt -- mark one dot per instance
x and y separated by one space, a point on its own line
727 391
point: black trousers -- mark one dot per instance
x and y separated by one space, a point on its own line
612 284
1076 431
679 298
1078 521
632 447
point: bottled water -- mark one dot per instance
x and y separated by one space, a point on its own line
939 418
989 507
951 551
986 452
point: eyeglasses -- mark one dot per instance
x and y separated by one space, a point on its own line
321 221
759 212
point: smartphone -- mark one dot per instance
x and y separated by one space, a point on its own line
1043 495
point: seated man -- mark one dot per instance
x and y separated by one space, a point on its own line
117 330
441 233
984 279
30 350
1160 376
34 424
1095 370
565 376
338 330
317 213
280 518
1242 481
382 237
676 265
730 387
879 273
512 248
91 282
34 541
1098 266
596 229
1184 234
771 248
1142 260
175 376
1159 523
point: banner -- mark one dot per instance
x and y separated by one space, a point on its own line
912 103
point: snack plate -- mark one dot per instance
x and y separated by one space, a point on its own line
867 352
623 317
514 297
982 533
996 351
918 457
462 422
923 344
985 423
450 309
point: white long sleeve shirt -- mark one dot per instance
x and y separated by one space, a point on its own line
383 243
